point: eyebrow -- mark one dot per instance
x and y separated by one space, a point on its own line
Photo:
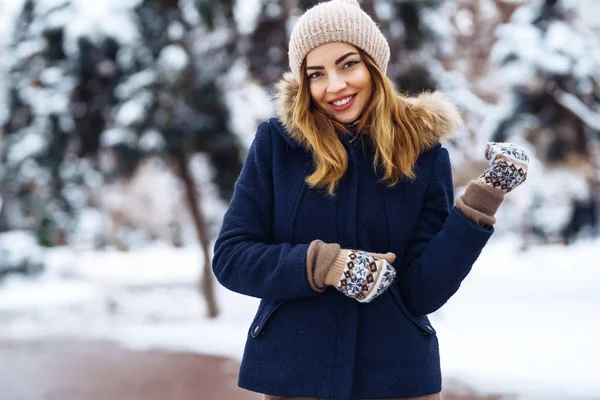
339 60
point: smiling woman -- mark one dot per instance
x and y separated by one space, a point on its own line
342 222
340 85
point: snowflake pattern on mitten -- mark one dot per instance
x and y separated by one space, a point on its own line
507 150
355 273
386 278
508 169
365 277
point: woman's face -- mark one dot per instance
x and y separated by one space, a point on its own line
340 83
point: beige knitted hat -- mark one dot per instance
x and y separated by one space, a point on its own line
337 21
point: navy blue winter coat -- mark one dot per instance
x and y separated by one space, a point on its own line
326 345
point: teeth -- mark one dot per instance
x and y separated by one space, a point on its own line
342 102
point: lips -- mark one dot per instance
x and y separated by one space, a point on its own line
343 107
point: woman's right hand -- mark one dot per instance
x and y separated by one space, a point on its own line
361 275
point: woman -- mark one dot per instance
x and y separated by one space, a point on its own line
342 222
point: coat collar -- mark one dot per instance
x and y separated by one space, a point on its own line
431 111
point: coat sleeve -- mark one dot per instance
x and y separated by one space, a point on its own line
444 245
245 258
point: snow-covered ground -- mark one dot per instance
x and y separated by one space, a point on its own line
524 323
527 322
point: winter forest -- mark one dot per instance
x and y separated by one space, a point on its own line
124 125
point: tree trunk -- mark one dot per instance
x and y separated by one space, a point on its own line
206 285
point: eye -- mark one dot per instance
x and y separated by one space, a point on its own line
314 75
351 63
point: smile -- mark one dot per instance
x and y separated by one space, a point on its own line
343 104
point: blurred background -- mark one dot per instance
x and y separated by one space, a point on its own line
124 124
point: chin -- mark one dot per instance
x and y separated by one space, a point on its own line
346 120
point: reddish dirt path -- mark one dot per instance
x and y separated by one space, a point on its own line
80 370
87 370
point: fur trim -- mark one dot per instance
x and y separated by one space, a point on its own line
436 113
286 91
432 112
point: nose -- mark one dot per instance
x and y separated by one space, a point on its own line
336 84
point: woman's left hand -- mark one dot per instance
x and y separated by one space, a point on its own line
508 166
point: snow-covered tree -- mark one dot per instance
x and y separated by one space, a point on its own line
266 39
174 91
550 64
49 144
95 90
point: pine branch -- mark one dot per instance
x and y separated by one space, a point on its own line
577 107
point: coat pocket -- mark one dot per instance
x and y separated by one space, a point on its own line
422 321
266 309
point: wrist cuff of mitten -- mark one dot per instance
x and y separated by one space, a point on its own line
336 269
480 203
319 259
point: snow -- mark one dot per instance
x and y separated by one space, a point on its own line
437 23
589 117
30 170
565 48
521 323
98 18
135 83
176 31
46 101
212 40
561 37
91 224
114 136
172 59
51 76
589 11
28 48
9 9
384 10
190 13
74 194
248 102
46 292
454 84
159 265
151 140
29 144
464 22
246 13
133 111
273 10
18 247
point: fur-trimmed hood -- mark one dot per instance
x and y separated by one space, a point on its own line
432 111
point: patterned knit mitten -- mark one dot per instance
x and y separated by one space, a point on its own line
508 166
360 275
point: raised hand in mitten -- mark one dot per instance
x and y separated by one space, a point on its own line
361 275
482 198
508 166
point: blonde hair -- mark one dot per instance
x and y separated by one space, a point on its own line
391 123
